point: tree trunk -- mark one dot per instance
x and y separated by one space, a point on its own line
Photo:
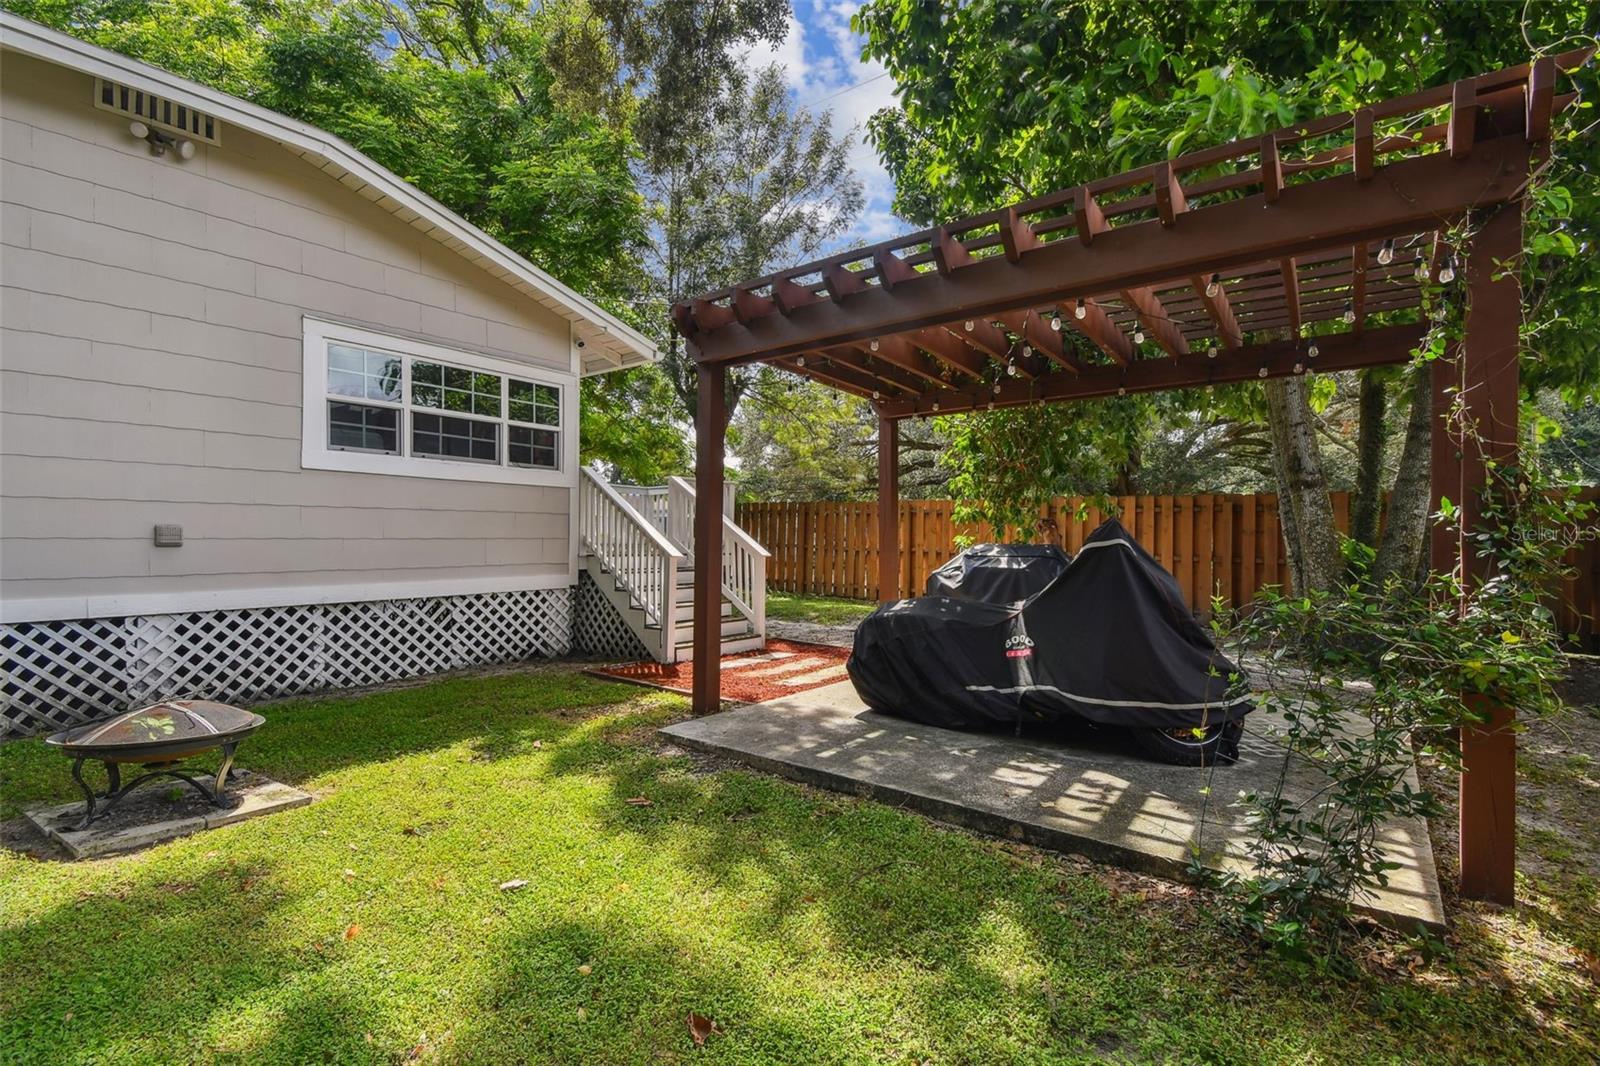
1304 507
1367 505
1401 550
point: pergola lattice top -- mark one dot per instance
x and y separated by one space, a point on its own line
1202 269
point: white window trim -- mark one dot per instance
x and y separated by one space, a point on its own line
316 455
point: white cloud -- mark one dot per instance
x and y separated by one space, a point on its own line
822 64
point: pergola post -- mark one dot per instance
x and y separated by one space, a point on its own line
710 427
1486 377
888 509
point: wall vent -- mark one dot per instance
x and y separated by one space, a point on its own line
162 112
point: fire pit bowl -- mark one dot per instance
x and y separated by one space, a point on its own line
160 737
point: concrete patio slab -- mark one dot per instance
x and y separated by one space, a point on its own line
1086 793
148 816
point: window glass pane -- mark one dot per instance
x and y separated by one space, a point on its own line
426 373
486 394
534 403
383 377
427 396
346 383
343 357
456 378
361 428
456 400
532 447
442 437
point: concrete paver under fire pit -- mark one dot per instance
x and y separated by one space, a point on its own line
1084 794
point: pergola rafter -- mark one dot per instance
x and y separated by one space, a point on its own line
1222 258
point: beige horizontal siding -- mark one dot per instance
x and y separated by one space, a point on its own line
150 368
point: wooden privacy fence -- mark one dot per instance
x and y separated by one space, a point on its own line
1216 545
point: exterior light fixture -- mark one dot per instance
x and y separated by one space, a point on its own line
1349 313
1011 369
1299 368
970 325
1214 286
1386 253
876 395
1080 309
997 388
1312 351
936 407
873 345
799 360
1447 273
1122 390
1138 336
161 143
1211 352
1055 322
1419 268
1261 373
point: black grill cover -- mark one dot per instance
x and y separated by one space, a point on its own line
1110 640
999 573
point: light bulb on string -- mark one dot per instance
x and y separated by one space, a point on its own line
1349 313
936 406
969 325
874 344
876 395
997 388
1312 351
1261 373
799 360
1447 273
1386 253
1211 352
1138 336
1027 351
1214 285
1011 369
1419 268
1055 322
1299 368
1080 309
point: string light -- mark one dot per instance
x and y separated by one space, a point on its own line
1011 369
1211 352
1138 336
1299 368
874 344
1312 351
1080 309
991 405
936 407
1447 273
970 325
1419 268
876 395
1122 390
1349 313
1027 351
799 360
1386 253
1055 321
997 388
1214 286
1261 373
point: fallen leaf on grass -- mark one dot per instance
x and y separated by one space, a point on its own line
1590 963
701 1027
512 886
538 745
352 931
637 801
586 969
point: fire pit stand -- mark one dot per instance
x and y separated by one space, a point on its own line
159 737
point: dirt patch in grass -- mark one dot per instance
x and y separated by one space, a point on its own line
784 668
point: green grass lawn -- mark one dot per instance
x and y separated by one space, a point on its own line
369 926
824 609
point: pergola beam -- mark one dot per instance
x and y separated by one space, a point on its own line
1099 328
1337 211
1378 347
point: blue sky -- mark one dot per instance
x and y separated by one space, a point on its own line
822 59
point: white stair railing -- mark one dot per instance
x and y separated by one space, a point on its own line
640 557
744 560
649 500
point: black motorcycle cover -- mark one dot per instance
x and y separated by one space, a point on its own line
999 573
1110 640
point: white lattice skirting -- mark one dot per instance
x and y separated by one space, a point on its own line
598 630
61 673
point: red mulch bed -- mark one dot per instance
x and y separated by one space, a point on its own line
782 660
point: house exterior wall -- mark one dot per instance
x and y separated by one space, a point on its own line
151 346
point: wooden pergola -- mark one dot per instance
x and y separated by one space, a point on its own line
1208 268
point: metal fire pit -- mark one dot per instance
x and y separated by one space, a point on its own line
160 737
